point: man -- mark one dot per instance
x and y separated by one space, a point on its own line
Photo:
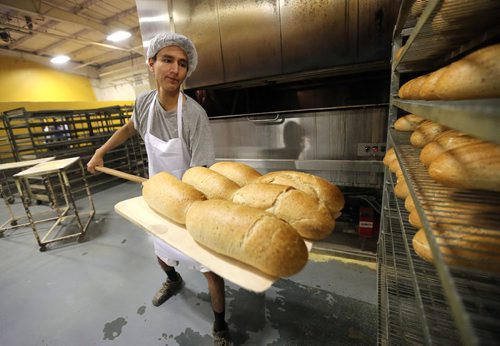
177 136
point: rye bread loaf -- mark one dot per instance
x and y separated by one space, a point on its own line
306 214
477 75
210 183
408 122
249 235
313 185
471 166
170 197
445 141
238 172
425 133
462 246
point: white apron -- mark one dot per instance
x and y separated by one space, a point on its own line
173 157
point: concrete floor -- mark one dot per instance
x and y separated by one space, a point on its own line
98 292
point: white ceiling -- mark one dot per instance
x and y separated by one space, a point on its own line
41 29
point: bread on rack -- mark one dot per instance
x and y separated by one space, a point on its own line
210 183
462 246
408 122
443 142
477 75
428 89
401 188
240 173
425 133
411 89
306 214
249 235
313 185
390 155
170 197
471 166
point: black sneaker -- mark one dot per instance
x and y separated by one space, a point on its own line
222 337
167 290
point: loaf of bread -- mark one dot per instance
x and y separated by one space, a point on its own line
390 155
238 172
313 185
425 133
475 76
428 89
408 122
414 219
249 235
170 197
415 87
462 246
472 166
409 204
445 141
210 183
401 189
306 214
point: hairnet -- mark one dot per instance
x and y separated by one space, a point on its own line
166 39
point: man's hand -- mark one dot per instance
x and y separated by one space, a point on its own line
96 160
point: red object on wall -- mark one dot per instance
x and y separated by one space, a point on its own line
368 223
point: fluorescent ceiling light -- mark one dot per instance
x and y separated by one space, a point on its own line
119 36
60 59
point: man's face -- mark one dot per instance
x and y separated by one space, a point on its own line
169 68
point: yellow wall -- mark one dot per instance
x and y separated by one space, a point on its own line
23 80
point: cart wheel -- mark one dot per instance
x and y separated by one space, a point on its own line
43 248
80 239
11 199
13 223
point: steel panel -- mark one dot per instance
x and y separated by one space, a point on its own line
198 20
250 38
314 34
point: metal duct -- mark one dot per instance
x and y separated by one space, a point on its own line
250 40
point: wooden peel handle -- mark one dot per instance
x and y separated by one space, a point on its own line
134 178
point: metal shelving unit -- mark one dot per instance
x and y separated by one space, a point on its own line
456 299
70 133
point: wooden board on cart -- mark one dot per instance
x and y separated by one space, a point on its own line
138 212
48 167
24 164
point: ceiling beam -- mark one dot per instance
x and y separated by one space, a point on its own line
29 6
28 36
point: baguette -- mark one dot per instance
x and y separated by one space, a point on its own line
240 173
475 76
401 189
170 197
306 214
425 133
408 122
463 246
413 91
249 235
445 141
471 166
390 155
428 89
313 185
211 183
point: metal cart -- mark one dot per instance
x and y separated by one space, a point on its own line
58 169
7 170
419 302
